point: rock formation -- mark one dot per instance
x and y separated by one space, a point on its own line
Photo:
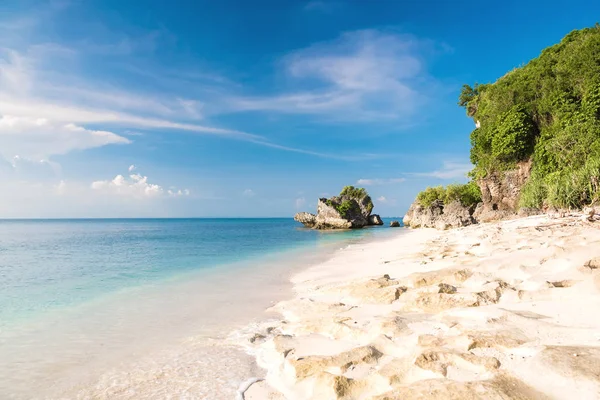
350 210
375 219
500 193
438 215
395 224
307 219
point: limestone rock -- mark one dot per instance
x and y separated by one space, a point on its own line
339 212
375 219
313 365
382 290
500 193
330 218
395 224
439 360
307 219
445 288
439 215
592 264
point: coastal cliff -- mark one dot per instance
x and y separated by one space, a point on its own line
536 142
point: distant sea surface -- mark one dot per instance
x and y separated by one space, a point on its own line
79 298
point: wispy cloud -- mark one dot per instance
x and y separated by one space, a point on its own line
39 138
450 170
362 75
25 97
379 181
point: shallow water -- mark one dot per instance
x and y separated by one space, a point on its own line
142 308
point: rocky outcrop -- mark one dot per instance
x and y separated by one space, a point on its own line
346 211
375 219
329 217
438 215
395 224
500 193
307 219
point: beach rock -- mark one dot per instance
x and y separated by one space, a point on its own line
328 217
500 193
375 219
307 219
592 264
496 339
395 224
439 215
350 210
305 367
455 276
445 288
438 361
436 302
382 290
591 213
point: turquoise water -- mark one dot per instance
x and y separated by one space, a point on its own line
89 306
49 264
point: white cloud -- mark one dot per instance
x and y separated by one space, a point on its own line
248 193
40 138
366 75
450 170
178 192
379 181
131 168
135 185
382 199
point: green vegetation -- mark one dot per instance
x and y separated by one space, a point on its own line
468 194
344 204
360 195
348 208
547 111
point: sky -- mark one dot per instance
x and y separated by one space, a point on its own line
148 108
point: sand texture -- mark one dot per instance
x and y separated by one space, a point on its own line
508 310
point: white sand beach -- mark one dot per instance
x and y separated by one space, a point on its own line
506 310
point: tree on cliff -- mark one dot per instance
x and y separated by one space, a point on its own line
547 111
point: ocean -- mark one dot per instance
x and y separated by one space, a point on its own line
131 308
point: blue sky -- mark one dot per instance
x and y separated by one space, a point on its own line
247 108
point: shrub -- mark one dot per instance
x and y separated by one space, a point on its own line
467 194
428 196
348 208
360 195
547 111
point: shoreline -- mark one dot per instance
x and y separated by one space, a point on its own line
163 338
471 311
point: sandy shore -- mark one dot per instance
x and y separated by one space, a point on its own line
509 310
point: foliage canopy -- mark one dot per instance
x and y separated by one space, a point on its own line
468 194
547 111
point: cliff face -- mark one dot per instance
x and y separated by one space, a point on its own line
500 192
439 216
